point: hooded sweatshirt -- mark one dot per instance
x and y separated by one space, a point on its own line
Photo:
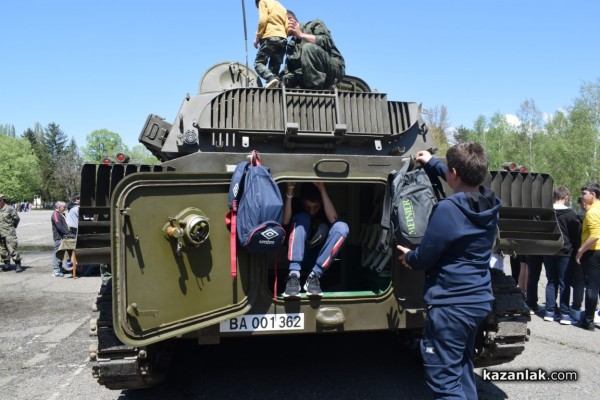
570 227
456 248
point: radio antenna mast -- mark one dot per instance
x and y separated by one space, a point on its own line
245 39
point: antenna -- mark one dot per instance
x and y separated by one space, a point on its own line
245 36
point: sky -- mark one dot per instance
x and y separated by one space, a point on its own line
106 64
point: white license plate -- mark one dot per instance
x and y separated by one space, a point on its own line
269 322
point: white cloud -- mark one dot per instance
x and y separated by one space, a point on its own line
512 120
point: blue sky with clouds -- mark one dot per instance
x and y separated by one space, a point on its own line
89 65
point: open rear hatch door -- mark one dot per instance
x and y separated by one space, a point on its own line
170 256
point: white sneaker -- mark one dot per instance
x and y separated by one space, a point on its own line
272 84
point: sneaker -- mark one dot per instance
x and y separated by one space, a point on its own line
18 268
587 325
272 83
312 286
68 267
58 274
292 287
566 319
533 309
549 316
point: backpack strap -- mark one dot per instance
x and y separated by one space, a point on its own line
436 184
255 158
236 187
233 240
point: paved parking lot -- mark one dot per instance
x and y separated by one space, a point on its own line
44 341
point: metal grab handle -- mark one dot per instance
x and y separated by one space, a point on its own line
343 171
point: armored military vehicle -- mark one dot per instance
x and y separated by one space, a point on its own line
161 229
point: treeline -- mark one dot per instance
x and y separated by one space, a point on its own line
44 162
564 145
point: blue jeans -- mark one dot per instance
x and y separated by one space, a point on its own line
56 263
321 257
556 273
447 349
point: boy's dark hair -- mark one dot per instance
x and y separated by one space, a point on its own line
291 14
470 161
310 192
560 193
592 188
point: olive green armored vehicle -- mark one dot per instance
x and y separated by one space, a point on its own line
161 229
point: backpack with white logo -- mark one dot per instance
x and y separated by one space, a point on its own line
256 210
408 202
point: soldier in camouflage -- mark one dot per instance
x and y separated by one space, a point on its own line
9 219
313 60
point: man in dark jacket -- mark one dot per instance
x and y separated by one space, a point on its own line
60 229
455 253
313 60
557 266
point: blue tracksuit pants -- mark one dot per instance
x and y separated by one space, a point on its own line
447 349
320 257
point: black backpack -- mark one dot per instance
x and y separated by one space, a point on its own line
256 210
407 204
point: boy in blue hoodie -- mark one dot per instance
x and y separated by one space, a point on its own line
455 253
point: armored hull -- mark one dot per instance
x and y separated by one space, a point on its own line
168 286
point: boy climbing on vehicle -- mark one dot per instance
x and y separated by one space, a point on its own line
271 40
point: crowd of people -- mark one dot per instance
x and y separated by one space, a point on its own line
313 61
573 274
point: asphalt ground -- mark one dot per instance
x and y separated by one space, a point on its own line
44 341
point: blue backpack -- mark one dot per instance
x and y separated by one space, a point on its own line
256 210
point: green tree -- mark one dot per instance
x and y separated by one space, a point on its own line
18 169
436 119
590 100
55 141
68 170
49 152
530 131
7 130
461 134
140 155
497 136
35 136
102 143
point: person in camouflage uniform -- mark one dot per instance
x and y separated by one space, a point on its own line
313 60
9 219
